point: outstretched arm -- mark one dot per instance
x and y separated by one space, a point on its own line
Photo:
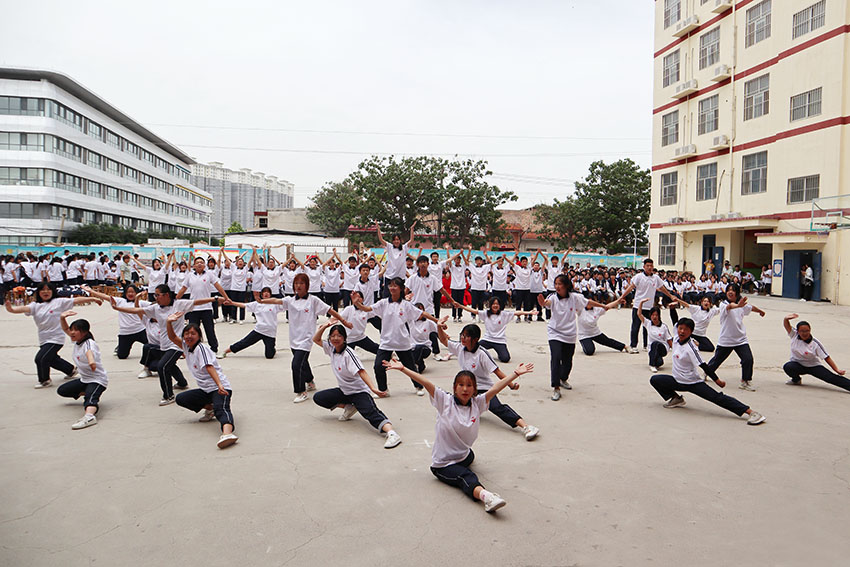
786 322
410 240
500 385
317 338
640 310
381 240
16 308
63 320
415 376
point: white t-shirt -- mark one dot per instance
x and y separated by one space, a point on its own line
551 273
238 278
54 272
732 331
523 277
657 333
73 270
805 353
161 314
436 269
226 277
288 276
350 276
155 277
537 281
702 318
302 319
767 276
396 261
198 285
423 289
456 428
645 288
332 279
367 290
686 362
478 277
500 277
394 319
495 325
358 319
562 324
151 325
480 363
420 331
270 279
197 360
47 317
458 276
128 323
266 317
315 276
81 361
346 367
90 270
588 322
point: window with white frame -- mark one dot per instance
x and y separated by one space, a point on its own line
758 23
667 249
709 48
803 189
806 104
672 12
810 19
670 128
757 97
754 179
707 182
671 69
669 188
709 114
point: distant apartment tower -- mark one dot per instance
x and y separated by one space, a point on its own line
67 158
750 139
238 194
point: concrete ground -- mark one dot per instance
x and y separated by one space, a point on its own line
613 479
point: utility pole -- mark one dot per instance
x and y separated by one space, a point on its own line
61 229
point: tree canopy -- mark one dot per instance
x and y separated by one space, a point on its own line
234 227
99 233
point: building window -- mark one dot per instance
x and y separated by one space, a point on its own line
803 189
669 188
758 23
21 176
264 222
113 139
94 160
667 249
21 106
754 179
806 104
709 48
94 130
670 128
810 19
708 114
757 97
672 12
21 141
707 182
671 69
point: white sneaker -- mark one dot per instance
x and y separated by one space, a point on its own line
74 373
393 440
746 386
302 397
227 440
146 373
242 321
233 321
166 401
86 421
530 432
222 355
645 349
566 385
348 412
756 418
311 386
556 395
803 299
420 391
493 502
209 415
46 384
675 402
653 369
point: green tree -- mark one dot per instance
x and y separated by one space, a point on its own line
234 227
609 206
470 212
335 207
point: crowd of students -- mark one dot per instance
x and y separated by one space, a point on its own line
169 306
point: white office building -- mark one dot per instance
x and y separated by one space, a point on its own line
67 158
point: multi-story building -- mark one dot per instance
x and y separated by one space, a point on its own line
238 194
750 146
67 157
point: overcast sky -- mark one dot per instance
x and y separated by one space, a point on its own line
538 88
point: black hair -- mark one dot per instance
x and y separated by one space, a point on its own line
801 323
736 288
655 310
40 287
648 261
490 302
566 281
126 287
84 327
422 258
197 328
687 322
341 330
473 332
164 289
467 374
262 291
400 283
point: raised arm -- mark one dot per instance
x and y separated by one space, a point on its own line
133 310
415 376
94 293
86 300
640 310
500 385
333 313
381 240
441 334
170 329
786 322
410 240
317 338
64 322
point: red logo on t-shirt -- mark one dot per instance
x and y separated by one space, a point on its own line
473 420
307 310
473 365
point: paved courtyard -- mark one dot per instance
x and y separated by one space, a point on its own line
613 479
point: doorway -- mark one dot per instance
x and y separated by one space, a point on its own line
793 261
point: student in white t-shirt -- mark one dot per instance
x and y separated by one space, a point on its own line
806 354
435 268
686 378
303 309
46 311
496 320
499 273
645 285
702 315
332 276
359 318
265 328
472 358
478 272
457 268
396 254
588 329
660 339
733 335
350 273
423 335
458 416
131 328
354 386
214 392
93 379
198 283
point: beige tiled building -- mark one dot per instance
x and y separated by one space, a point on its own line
750 139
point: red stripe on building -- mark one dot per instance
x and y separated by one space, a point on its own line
699 93
696 158
773 216
703 27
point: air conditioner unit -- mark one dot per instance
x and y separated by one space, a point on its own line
677 220
721 216
721 6
734 215
720 142
687 25
685 88
686 152
721 73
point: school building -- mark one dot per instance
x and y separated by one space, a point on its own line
751 108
